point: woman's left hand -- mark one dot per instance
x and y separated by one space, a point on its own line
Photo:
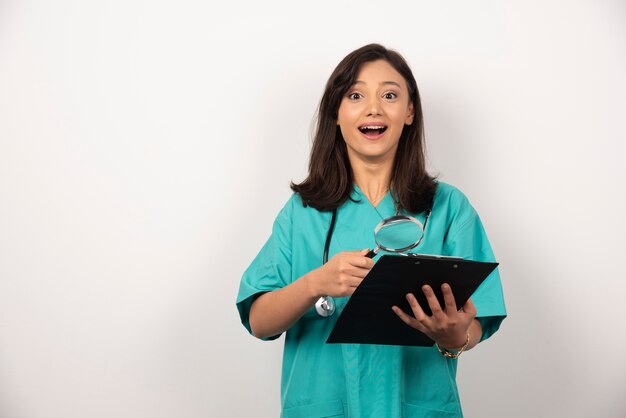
447 326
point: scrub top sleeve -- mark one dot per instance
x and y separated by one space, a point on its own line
271 268
466 238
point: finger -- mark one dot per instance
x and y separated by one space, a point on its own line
433 302
356 261
408 319
448 298
352 266
357 272
469 308
349 287
354 281
419 313
360 253
361 261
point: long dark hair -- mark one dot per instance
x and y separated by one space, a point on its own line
329 183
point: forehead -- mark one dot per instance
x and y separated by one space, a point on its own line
379 72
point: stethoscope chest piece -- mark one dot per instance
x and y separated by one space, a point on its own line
325 306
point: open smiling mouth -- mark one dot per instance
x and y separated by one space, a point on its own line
373 130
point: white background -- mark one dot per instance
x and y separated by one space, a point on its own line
146 146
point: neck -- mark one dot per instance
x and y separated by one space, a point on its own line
373 178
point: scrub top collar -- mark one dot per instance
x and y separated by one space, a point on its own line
386 207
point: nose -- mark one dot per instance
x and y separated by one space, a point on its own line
373 106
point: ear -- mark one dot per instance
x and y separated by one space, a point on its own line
410 114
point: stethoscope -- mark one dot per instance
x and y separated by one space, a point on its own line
395 234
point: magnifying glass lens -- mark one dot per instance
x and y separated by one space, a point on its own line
399 234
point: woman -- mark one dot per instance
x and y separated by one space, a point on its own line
367 163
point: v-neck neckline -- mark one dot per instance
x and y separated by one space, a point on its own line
383 206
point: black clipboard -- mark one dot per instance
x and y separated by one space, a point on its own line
367 317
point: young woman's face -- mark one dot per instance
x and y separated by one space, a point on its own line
373 113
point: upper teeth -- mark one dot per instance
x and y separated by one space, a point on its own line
373 127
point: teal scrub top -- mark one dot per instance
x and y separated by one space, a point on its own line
360 380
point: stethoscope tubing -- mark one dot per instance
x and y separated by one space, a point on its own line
329 236
325 306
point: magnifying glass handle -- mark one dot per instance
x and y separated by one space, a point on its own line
372 253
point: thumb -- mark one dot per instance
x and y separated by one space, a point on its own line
470 308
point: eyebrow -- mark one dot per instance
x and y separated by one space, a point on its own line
384 83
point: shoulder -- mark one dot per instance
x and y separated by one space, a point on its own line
298 221
449 194
453 201
294 207
295 204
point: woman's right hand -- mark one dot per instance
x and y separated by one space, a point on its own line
276 311
341 275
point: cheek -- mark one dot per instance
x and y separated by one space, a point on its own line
345 134
347 120
399 116
348 114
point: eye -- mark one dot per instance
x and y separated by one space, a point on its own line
354 96
390 95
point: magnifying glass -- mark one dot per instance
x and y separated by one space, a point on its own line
395 234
